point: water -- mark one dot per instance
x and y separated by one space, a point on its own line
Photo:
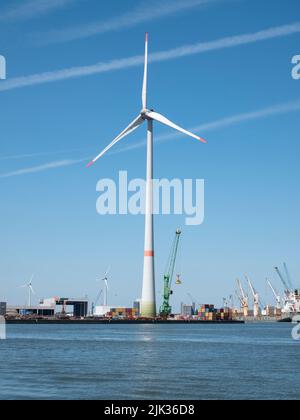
150 362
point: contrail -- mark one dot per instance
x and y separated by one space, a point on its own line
144 12
124 63
41 154
272 111
43 168
280 109
32 9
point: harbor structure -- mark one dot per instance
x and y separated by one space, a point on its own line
188 310
256 299
3 308
79 306
243 298
101 310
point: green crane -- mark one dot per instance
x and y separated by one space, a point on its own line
166 309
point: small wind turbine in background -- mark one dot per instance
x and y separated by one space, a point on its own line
105 291
31 291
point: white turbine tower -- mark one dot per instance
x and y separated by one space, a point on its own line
105 288
30 291
105 280
148 304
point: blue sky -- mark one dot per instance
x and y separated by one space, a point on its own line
49 225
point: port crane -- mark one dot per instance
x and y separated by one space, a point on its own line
288 276
256 305
166 309
228 302
286 286
292 301
94 304
243 299
239 297
193 300
231 299
276 295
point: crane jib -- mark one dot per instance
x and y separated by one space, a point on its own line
166 309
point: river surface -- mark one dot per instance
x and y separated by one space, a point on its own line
255 361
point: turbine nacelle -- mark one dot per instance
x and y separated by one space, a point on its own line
145 114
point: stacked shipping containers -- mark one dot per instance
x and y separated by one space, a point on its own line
127 313
207 313
210 313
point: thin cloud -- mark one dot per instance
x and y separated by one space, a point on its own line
125 63
32 9
43 168
144 12
280 109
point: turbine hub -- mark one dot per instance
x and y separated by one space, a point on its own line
144 113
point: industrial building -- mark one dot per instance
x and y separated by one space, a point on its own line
101 310
113 312
188 310
32 310
79 306
137 305
3 307
49 308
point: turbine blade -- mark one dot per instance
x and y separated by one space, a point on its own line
32 290
133 126
145 82
107 272
160 118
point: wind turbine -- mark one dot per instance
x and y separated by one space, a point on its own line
105 280
148 304
30 291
